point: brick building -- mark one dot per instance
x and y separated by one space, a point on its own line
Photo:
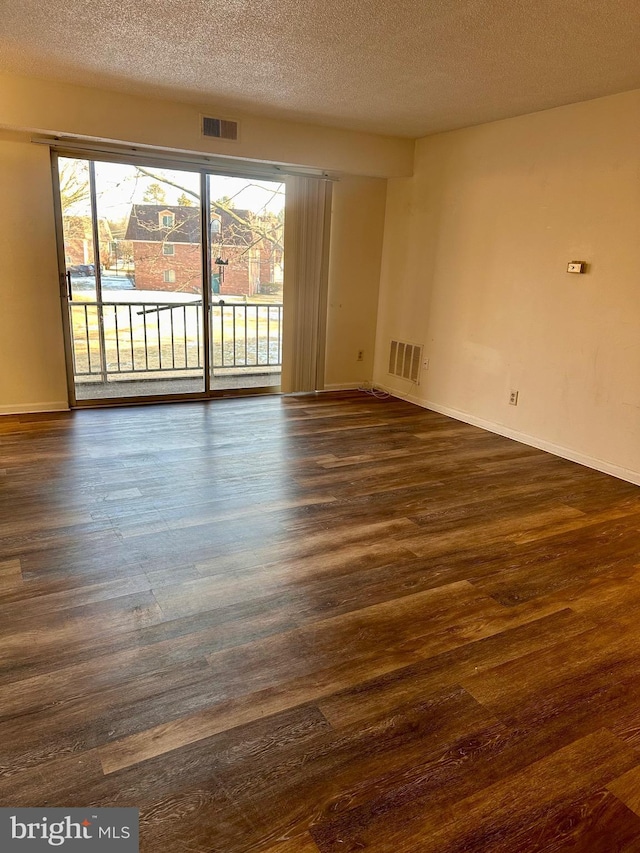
167 253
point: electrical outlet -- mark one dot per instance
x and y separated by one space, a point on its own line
513 398
360 355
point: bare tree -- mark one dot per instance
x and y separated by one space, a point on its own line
262 225
74 183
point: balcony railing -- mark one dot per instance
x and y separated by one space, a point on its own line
149 337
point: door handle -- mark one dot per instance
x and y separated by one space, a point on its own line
69 290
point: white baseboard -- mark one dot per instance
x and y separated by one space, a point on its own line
343 386
524 438
33 408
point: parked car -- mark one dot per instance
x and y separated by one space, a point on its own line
81 270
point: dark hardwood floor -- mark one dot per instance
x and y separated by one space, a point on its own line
332 623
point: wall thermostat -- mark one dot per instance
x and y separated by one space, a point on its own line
576 266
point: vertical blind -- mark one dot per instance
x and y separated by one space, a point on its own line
306 251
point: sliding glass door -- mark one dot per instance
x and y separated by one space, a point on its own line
246 247
173 280
134 273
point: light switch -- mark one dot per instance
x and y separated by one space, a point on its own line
575 266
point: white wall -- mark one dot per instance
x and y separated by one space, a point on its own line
32 372
354 276
476 248
51 107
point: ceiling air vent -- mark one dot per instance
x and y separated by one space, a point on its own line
219 128
405 360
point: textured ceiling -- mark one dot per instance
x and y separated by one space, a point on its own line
405 68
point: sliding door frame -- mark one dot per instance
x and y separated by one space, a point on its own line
65 296
63 283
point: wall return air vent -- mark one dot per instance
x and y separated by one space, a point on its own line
405 360
219 128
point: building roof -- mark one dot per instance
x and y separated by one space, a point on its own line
144 225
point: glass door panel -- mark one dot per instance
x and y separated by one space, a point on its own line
136 305
79 256
139 322
246 232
